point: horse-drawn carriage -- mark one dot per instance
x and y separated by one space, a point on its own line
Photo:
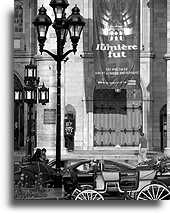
104 179
99 179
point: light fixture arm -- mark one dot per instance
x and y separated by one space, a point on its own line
67 53
56 57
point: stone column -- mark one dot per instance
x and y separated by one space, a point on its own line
146 56
167 149
167 57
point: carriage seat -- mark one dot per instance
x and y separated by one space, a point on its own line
100 182
146 165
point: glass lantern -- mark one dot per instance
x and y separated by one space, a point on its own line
30 95
43 95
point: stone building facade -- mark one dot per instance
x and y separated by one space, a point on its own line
24 50
79 93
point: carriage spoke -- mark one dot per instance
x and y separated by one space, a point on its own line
94 198
153 192
82 197
164 196
150 194
150 198
79 198
89 195
158 191
160 194
98 199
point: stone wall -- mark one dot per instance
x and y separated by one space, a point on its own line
158 71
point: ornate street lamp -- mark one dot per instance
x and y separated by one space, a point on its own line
59 7
18 95
29 96
43 95
42 23
74 24
30 77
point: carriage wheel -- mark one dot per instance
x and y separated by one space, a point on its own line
89 195
154 192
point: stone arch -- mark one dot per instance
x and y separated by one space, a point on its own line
17 83
18 77
69 109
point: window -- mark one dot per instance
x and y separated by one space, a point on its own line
18 16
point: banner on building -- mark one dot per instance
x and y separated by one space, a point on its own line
116 42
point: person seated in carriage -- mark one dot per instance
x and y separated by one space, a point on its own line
142 157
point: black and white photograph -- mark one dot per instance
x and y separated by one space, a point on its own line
91 100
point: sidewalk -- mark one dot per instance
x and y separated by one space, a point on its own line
52 194
42 194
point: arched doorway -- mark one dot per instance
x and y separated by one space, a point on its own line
117 117
163 127
18 118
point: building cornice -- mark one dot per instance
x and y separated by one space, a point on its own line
85 55
39 58
23 55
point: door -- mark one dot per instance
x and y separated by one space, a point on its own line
18 118
163 127
117 117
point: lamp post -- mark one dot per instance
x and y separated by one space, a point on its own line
29 96
74 25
